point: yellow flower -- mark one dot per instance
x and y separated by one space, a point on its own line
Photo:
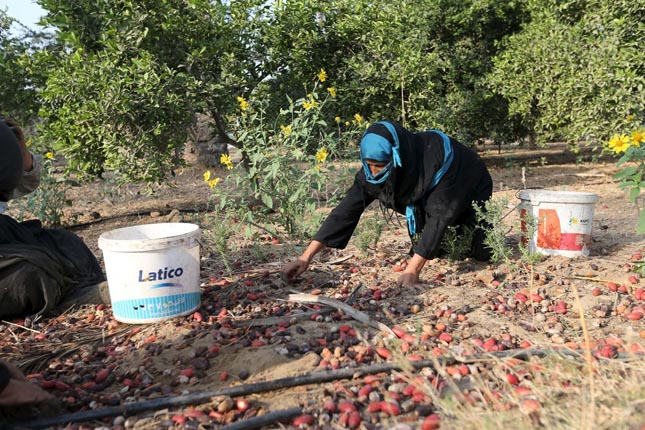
307 105
618 143
28 143
322 154
637 137
244 105
358 118
225 159
213 182
322 75
630 118
207 175
332 91
49 155
337 119
286 129
347 122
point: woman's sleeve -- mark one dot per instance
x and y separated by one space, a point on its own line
430 240
29 182
337 229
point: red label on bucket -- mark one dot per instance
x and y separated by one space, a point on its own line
548 232
574 241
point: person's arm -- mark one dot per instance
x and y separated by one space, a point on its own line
335 231
16 390
338 227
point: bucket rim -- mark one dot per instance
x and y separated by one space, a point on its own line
108 242
555 196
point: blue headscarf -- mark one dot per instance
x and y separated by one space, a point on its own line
376 146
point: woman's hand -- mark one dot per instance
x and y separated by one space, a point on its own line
293 269
410 276
408 279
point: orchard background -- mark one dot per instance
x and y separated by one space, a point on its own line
243 117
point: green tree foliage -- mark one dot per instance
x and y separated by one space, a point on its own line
419 62
18 97
121 81
575 71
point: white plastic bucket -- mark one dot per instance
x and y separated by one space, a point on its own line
564 221
152 271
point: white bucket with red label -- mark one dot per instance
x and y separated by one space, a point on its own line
563 221
152 271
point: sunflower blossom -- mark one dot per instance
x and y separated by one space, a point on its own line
213 182
286 130
322 75
637 138
322 154
226 160
49 155
619 143
244 105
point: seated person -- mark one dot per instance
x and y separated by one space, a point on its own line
39 268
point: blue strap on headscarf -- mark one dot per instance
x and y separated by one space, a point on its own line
378 148
447 161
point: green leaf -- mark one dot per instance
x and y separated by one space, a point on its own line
267 200
635 191
627 171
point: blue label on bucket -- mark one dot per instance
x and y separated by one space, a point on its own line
153 308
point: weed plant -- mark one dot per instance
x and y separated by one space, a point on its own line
285 164
48 201
368 233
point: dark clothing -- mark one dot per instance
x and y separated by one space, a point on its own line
10 161
449 203
39 266
5 377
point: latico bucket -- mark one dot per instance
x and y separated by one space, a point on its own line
563 221
152 271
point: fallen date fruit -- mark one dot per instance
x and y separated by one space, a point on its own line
431 422
445 337
102 375
330 406
398 331
390 408
374 407
382 352
633 316
303 420
512 379
354 420
346 406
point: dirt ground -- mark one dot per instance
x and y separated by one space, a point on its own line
247 330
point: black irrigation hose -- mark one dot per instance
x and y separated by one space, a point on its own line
129 409
263 420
